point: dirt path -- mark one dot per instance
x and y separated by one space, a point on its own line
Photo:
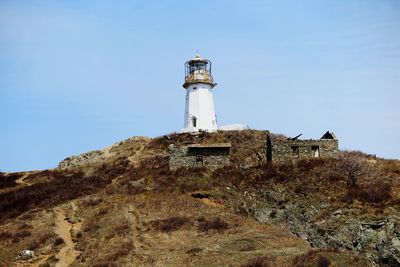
22 181
68 253
141 244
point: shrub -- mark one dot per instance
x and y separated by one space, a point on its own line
391 166
9 179
106 264
265 261
122 229
5 235
301 189
352 166
59 241
269 171
376 192
323 261
231 174
63 186
20 235
331 176
170 224
90 201
102 211
304 259
121 251
309 164
112 170
194 250
213 224
41 240
24 226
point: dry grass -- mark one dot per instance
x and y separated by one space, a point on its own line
8 180
62 187
328 257
121 251
217 224
58 241
376 192
141 213
170 224
261 261
43 238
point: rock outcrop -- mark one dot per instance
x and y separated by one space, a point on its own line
379 240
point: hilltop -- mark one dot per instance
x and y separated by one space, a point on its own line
123 206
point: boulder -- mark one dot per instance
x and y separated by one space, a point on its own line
25 255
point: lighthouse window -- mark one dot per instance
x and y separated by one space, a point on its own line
194 121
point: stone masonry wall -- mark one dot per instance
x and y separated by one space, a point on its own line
282 149
179 157
249 149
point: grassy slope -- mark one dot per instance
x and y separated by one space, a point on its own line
135 212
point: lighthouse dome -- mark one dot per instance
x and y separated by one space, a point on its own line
198 58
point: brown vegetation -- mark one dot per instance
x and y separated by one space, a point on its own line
352 165
62 187
8 180
311 256
42 239
217 224
58 241
122 250
142 213
375 192
261 261
170 224
323 261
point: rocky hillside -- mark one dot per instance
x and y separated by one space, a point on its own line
122 206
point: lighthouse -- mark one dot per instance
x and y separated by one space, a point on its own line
199 108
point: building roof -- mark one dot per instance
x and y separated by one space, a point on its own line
329 135
212 145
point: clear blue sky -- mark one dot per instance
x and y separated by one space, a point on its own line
80 75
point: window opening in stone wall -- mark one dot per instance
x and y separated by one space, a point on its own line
199 160
295 151
315 151
194 121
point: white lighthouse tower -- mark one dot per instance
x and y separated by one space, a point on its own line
199 109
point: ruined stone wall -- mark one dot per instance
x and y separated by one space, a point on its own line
249 149
179 157
282 149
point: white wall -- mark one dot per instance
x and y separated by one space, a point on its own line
199 104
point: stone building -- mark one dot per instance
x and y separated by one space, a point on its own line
280 150
252 152
211 156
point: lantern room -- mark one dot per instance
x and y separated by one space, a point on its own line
198 70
